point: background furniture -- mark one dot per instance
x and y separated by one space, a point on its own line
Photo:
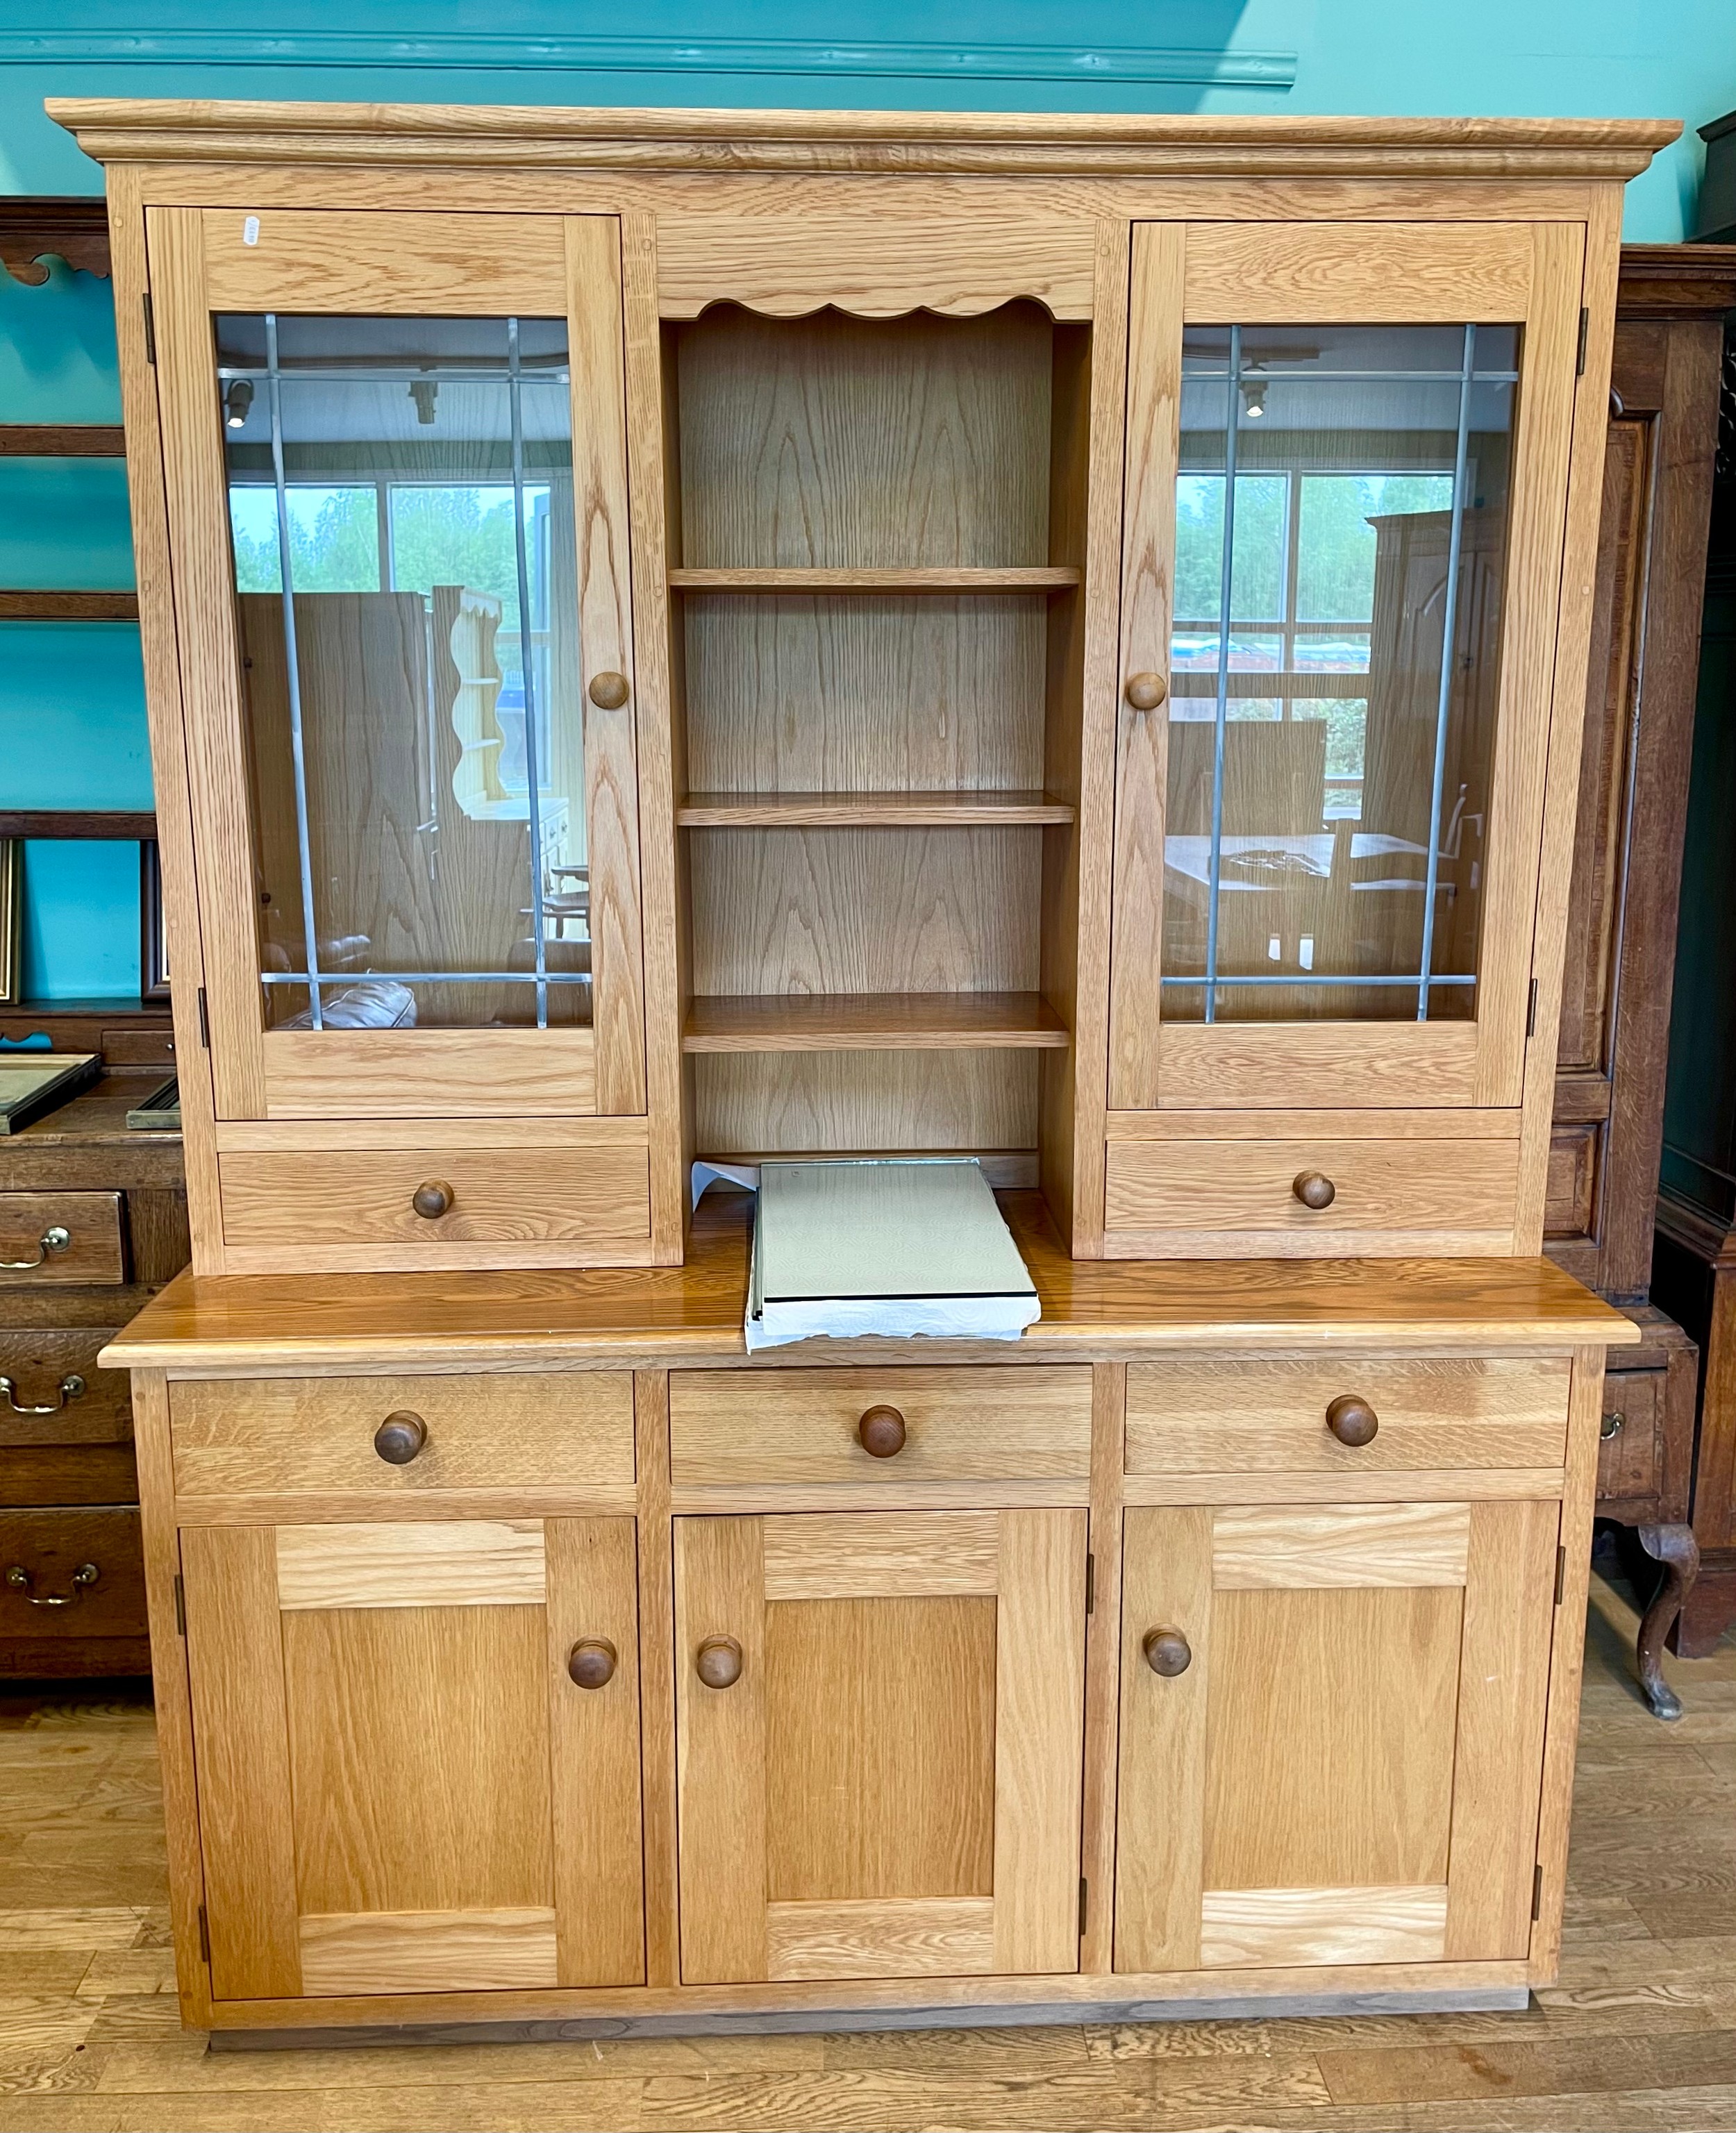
69 1493
1608 1133
1696 1212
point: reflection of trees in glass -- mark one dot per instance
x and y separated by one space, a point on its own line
458 537
333 540
1333 576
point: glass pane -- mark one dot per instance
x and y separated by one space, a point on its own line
1341 528
417 765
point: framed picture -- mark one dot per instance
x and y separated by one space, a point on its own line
153 943
11 916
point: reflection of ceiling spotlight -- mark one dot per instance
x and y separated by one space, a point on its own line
424 392
238 401
1253 394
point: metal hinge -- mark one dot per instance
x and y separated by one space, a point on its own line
1084 1895
150 329
1530 1011
205 1021
181 1606
205 1936
1584 335
1091 1584
1560 1573
1536 1892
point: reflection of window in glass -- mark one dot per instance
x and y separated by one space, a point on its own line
1341 510
415 722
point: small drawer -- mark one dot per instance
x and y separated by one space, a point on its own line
1419 1189
66 1425
73 1573
56 1238
336 1207
760 1426
267 1437
1238 1418
1631 1443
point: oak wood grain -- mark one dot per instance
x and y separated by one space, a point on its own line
886 1936
478 1564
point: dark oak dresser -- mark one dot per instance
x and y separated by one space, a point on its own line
1633 801
1695 1271
71 1582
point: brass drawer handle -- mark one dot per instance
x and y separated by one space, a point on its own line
19 1579
400 1438
1610 1424
718 1661
608 690
432 1198
1167 1652
72 1387
1314 1189
1144 692
881 1432
1351 1420
591 1662
52 1240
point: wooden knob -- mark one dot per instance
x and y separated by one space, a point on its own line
1146 692
1314 1189
432 1198
881 1431
400 1437
1351 1420
718 1661
608 691
591 1662
1167 1652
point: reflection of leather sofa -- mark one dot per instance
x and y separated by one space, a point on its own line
374 1004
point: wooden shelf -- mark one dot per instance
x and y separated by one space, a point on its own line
54 605
1039 578
118 824
874 1022
869 811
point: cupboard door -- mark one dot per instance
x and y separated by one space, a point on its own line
1332 1733
395 451
1346 484
403 1785
880 1723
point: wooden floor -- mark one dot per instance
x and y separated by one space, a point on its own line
1640 2032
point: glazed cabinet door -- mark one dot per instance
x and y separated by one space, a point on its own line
417 1749
1332 1733
879 1718
1347 484
395 459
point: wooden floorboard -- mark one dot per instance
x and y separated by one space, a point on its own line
1640 2034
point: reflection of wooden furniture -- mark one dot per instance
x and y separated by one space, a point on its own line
986 1718
68 1494
1633 798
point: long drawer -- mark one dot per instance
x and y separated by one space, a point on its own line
504 1430
48 1239
1234 1417
1421 1189
802 1426
407 1206
70 1574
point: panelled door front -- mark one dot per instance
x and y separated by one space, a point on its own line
1332 1733
394 448
1347 481
880 1732
418 1752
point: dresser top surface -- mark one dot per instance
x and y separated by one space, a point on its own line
694 1313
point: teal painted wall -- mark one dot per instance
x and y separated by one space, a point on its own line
71 711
